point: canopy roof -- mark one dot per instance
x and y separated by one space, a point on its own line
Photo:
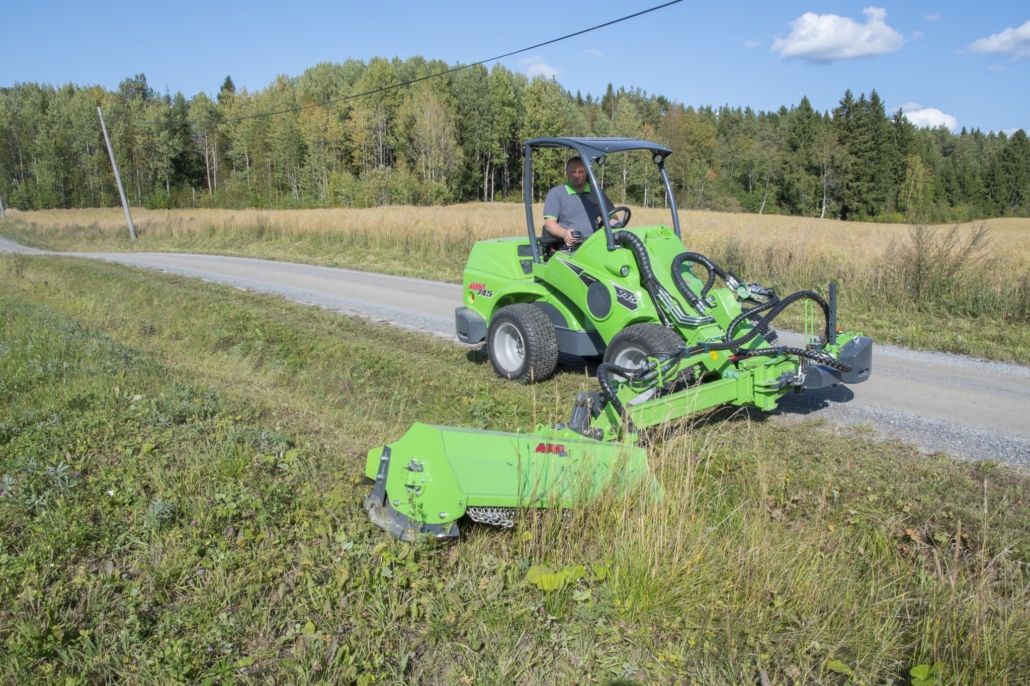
593 148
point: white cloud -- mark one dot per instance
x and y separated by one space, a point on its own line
595 53
535 66
929 116
932 17
995 67
1015 42
828 37
752 43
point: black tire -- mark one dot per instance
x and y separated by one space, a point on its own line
633 345
522 344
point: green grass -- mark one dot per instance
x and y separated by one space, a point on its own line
181 472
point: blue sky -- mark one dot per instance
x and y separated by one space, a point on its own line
946 62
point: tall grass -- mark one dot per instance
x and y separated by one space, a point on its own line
752 562
938 270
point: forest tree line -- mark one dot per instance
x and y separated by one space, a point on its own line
457 138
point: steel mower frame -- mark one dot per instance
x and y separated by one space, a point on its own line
672 345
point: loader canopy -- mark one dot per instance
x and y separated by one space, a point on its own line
593 150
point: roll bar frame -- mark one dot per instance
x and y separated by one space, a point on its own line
590 150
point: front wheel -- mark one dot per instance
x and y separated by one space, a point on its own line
522 344
631 347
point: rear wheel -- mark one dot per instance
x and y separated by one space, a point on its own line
631 347
522 344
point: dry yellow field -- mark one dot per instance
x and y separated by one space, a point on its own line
861 241
769 244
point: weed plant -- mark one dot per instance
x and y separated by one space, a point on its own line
181 469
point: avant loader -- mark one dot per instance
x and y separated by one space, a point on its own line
674 332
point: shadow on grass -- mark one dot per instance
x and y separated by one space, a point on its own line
477 356
814 400
567 364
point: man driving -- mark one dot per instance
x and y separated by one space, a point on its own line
574 206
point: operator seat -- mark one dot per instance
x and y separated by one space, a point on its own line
549 244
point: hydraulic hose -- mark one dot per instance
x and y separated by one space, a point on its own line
814 355
639 250
775 308
677 276
749 314
698 259
606 387
648 372
765 321
729 278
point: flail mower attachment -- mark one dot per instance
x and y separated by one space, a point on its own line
435 475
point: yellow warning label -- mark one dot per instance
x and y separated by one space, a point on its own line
714 354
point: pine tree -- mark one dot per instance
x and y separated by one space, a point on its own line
228 89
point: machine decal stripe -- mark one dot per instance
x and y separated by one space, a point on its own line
627 299
583 276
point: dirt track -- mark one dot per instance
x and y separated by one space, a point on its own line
964 406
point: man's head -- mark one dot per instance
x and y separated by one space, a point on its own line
576 172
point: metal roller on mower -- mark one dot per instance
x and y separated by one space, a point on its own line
671 345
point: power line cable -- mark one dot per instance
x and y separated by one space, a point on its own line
423 78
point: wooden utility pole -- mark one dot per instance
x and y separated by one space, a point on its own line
3 217
117 177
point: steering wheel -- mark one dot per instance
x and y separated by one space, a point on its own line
620 222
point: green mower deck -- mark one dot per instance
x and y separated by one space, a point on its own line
434 475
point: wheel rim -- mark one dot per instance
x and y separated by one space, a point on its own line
509 348
634 358
631 358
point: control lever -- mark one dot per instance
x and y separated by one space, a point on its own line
578 237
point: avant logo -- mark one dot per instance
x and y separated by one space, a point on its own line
552 449
480 289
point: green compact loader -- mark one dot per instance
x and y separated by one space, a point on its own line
670 343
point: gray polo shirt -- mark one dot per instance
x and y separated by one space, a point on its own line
576 211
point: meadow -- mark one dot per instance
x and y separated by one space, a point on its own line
961 288
180 486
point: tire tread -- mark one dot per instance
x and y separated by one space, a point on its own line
541 341
655 336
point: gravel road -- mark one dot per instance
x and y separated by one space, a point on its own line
964 406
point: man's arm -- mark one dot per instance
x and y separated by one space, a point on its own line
552 227
552 211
